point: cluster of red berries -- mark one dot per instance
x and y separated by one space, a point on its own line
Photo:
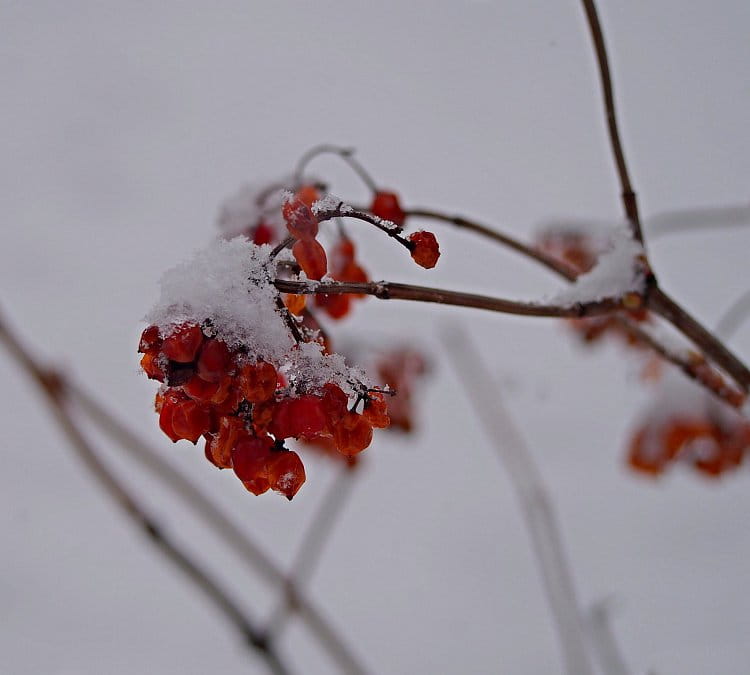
711 446
244 410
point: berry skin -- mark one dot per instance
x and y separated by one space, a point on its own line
300 220
385 205
166 405
219 444
295 303
286 473
352 434
183 343
298 417
150 340
258 381
334 402
263 234
311 257
308 195
425 250
250 457
190 420
376 411
214 360
150 366
336 305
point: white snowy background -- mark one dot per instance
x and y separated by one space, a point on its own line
123 126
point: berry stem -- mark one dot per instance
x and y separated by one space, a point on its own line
386 290
346 154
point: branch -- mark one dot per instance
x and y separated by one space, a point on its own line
558 266
602 637
533 499
53 388
659 302
629 200
316 537
196 500
386 290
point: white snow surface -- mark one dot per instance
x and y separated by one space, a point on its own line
228 283
616 272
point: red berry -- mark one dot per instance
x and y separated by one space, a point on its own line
166 405
352 434
183 343
311 257
295 417
150 365
336 305
150 339
214 360
250 457
286 473
190 420
199 390
385 205
258 381
376 411
219 447
425 250
262 234
308 194
295 303
334 402
300 220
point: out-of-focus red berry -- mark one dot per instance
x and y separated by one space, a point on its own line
150 340
311 257
295 303
300 220
286 473
214 360
308 194
258 381
183 343
352 434
425 251
263 234
336 305
385 205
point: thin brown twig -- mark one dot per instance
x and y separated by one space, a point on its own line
315 538
708 343
629 199
387 290
52 386
556 265
238 540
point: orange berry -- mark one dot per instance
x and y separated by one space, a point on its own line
300 220
150 366
214 360
295 303
352 434
376 411
311 257
150 339
258 381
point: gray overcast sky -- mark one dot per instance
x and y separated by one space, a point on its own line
123 125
